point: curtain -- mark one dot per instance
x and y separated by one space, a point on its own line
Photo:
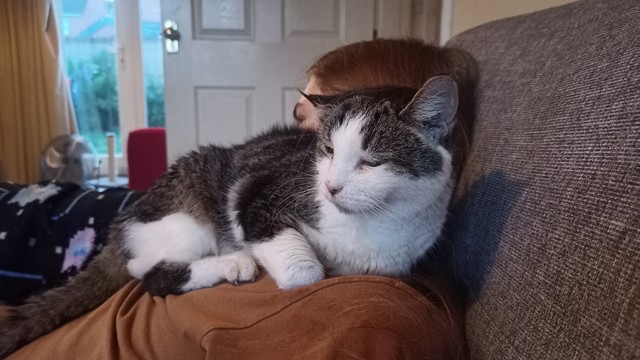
35 104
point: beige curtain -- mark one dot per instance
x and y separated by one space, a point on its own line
35 105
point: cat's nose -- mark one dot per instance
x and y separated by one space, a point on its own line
332 188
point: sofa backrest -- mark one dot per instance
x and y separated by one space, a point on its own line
544 240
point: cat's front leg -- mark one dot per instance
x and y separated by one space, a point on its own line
289 258
167 277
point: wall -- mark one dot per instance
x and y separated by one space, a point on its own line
470 13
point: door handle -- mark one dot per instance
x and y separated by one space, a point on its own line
171 37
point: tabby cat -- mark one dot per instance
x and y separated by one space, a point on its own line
366 194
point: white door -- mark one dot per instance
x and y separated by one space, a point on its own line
240 62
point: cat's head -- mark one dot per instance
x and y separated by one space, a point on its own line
385 147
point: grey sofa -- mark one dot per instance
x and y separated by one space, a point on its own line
544 242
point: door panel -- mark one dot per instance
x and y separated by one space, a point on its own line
312 19
232 109
223 19
241 62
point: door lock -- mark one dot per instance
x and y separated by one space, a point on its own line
171 37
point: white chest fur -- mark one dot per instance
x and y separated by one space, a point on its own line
387 243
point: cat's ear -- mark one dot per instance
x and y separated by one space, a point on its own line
435 105
316 100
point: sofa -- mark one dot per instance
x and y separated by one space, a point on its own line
542 243
544 238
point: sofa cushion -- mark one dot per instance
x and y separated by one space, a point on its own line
544 240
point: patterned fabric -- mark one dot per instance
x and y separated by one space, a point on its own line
49 231
545 241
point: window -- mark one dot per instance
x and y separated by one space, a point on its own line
152 61
93 52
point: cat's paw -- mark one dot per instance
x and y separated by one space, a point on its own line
239 267
289 259
234 268
300 274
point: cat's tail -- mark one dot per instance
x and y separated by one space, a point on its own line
44 313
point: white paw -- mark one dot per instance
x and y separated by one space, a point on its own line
300 274
289 259
239 267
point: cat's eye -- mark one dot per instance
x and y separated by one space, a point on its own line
370 163
328 149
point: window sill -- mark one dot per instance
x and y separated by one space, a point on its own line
103 183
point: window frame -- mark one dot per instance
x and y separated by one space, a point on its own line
132 103
130 77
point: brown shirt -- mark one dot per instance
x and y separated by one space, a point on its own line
349 317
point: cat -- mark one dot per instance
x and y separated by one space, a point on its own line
366 194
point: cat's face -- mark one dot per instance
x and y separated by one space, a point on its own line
372 153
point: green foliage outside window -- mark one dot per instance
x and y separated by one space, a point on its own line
94 91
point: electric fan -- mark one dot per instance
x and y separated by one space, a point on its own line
69 158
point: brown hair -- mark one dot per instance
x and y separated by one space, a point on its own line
410 63
402 62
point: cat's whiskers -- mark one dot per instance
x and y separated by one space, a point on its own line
430 201
388 215
427 194
380 213
296 178
296 196
399 216
312 143
365 215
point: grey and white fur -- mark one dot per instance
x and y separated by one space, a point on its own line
366 194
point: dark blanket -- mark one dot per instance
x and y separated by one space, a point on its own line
50 231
